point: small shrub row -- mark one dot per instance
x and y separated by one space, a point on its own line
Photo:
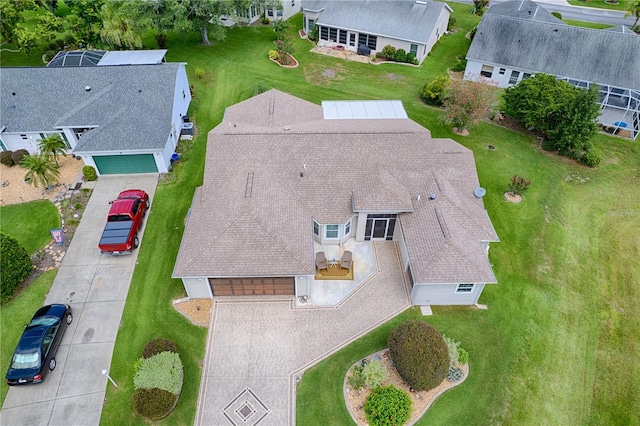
390 53
388 406
457 355
157 346
18 155
15 264
162 371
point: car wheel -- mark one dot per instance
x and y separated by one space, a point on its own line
52 364
69 319
135 242
147 204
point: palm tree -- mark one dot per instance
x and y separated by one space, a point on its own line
634 10
41 170
53 145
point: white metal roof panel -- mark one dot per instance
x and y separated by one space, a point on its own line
133 57
362 110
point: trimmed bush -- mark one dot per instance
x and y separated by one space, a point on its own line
356 379
19 155
375 373
389 52
411 58
401 55
153 404
6 159
420 354
15 265
460 66
89 173
557 15
435 90
274 55
388 406
592 157
162 371
157 346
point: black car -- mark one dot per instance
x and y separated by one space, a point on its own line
36 350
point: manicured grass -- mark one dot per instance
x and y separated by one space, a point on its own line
602 4
585 24
29 223
13 317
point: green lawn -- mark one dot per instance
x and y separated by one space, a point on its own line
14 315
29 223
559 342
602 4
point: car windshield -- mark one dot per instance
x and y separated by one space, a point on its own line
24 360
46 321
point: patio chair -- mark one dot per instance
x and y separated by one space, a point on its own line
321 261
346 260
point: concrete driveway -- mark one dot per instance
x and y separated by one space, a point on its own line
256 350
96 286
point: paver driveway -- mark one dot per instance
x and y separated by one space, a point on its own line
96 286
256 349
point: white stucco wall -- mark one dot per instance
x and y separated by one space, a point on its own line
498 78
444 294
14 141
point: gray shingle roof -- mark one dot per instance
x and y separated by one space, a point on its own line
253 215
524 9
132 105
400 19
605 57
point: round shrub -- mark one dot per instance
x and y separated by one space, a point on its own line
435 90
592 157
274 55
389 52
375 373
153 403
19 155
89 173
460 66
557 15
15 265
401 55
420 354
158 345
388 405
5 158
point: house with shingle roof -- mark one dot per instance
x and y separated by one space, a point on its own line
517 39
117 118
283 175
414 26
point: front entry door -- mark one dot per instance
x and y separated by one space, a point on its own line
352 40
380 227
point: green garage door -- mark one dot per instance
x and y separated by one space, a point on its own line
125 164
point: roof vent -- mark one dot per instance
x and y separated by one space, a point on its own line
479 192
433 196
87 88
286 128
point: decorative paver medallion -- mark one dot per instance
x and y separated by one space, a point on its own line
246 409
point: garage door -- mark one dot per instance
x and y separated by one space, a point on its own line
252 286
125 164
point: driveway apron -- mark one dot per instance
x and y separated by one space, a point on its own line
96 286
256 350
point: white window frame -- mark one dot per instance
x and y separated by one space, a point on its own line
465 288
327 230
347 228
487 69
316 228
412 50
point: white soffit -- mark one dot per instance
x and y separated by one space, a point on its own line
362 110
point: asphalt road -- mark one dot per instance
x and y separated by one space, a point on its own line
577 13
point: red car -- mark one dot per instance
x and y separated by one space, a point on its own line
120 234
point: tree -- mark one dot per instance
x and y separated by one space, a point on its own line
122 23
280 27
11 16
85 20
634 10
435 90
479 5
466 103
53 145
41 170
25 37
565 114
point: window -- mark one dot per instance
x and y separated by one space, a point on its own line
369 40
310 24
514 77
487 71
526 75
270 13
502 71
347 228
279 13
414 49
324 33
331 231
464 288
333 34
316 228
293 3
24 137
342 37
184 95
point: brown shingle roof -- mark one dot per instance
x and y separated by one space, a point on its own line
264 186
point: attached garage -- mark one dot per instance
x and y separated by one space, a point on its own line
125 164
252 286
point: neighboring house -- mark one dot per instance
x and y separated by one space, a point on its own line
283 9
414 26
517 39
283 174
118 118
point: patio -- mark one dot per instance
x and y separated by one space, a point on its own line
327 48
332 293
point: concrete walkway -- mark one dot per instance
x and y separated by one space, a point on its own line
96 287
256 350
